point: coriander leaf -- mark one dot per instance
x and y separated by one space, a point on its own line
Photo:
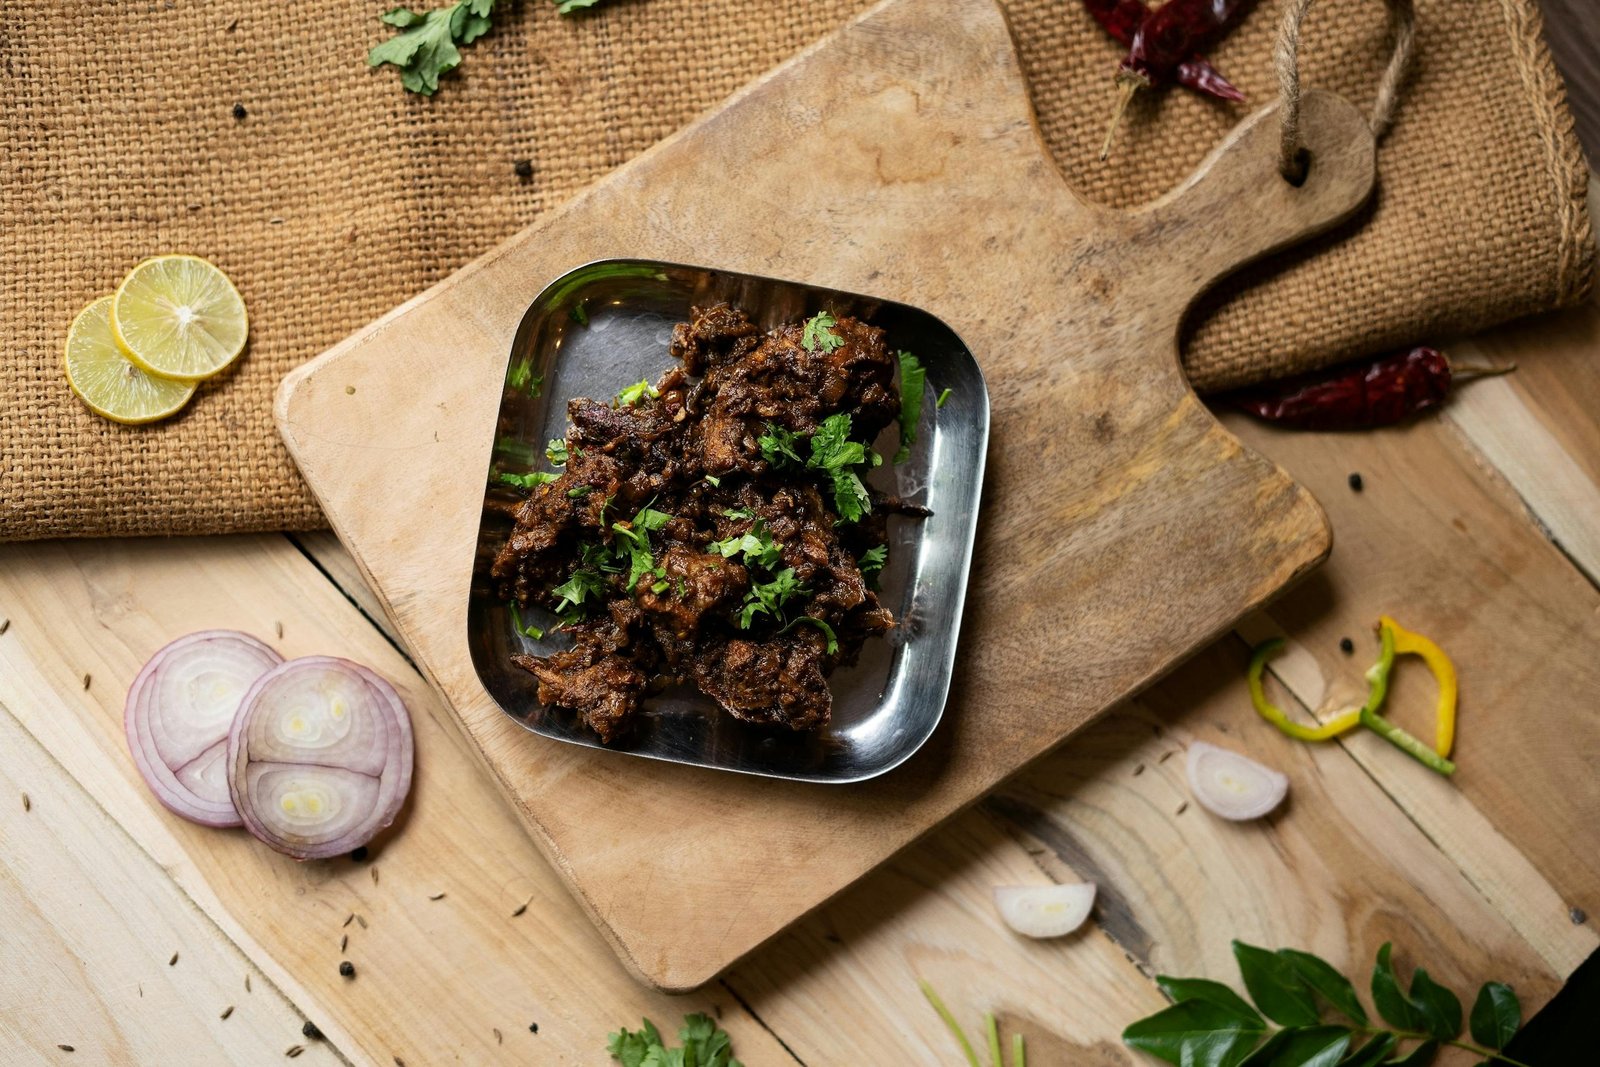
913 379
768 598
1495 1015
636 392
660 587
833 451
641 563
1321 976
850 498
1440 1008
425 47
818 332
778 446
1391 1003
1192 1022
1275 986
943 396
1181 989
575 590
833 639
755 545
1374 1052
556 452
1309 1046
529 480
871 563
739 513
630 1048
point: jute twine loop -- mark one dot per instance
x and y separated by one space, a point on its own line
1292 162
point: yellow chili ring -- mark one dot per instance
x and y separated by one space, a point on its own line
1276 716
1444 672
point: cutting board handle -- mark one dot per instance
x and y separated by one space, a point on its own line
1236 207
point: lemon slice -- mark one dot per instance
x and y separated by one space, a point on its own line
179 317
103 378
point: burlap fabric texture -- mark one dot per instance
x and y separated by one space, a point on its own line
337 195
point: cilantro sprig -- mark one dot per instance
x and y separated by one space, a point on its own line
704 1045
425 47
819 333
831 451
1209 1021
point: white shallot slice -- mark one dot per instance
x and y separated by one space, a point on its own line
320 757
1044 910
178 714
1233 786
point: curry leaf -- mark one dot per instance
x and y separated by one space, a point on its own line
1440 1008
1495 1015
1392 1004
1321 976
1309 1046
1181 989
1275 986
1193 1023
1418 1057
1373 1052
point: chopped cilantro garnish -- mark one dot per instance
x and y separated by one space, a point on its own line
943 396
660 587
778 446
833 451
818 332
768 598
579 490
636 392
739 513
871 563
683 589
575 590
833 639
528 630
714 480
755 545
556 452
913 379
529 480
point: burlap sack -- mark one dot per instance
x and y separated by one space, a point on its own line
338 195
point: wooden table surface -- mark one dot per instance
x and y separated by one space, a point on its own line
134 937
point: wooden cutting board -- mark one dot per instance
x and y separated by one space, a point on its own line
1122 526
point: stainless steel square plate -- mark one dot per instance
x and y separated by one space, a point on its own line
605 325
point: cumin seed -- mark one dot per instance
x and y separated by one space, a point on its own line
350 918
226 1012
66 1048
173 962
374 876
1137 771
437 896
247 983
294 1050
499 1038
343 941
1164 757
277 625
5 624
27 802
86 680
398 1062
361 922
522 907
1182 808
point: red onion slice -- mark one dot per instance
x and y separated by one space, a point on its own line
319 758
178 714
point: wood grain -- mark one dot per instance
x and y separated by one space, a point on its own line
1124 527
434 978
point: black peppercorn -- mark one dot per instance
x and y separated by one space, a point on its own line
1347 646
310 1030
1355 482
239 112
524 168
533 1028
347 969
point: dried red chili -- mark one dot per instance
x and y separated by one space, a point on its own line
1378 392
1122 20
1168 39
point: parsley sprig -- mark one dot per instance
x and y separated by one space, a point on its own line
704 1045
1209 1022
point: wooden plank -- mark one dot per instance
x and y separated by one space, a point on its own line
1145 518
79 973
1339 871
104 607
1439 541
